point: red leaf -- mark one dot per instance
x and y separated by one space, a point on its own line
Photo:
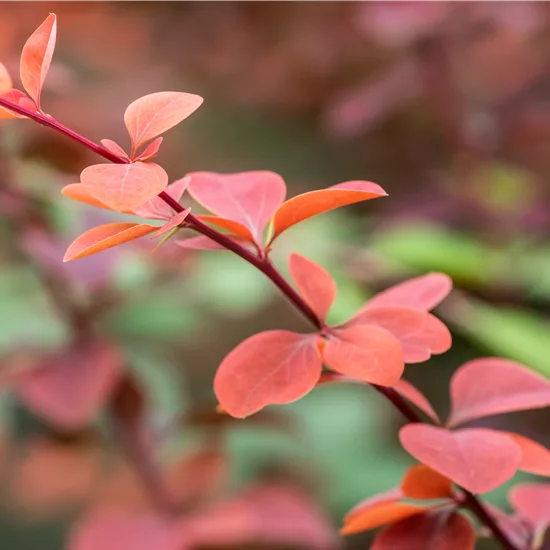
369 353
105 236
115 148
69 388
532 502
536 458
408 391
423 293
422 482
236 228
124 186
36 57
488 386
300 208
315 284
477 459
419 333
272 367
431 531
116 530
156 208
150 151
249 198
172 223
152 115
77 192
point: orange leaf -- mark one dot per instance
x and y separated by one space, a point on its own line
105 236
124 186
315 284
36 57
307 205
272 367
408 391
5 80
115 148
422 482
367 352
536 458
77 192
152 115
236 228
172 223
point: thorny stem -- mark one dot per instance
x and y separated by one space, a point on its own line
471 502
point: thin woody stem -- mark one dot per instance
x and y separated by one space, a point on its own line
265 266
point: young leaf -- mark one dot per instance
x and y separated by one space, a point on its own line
36 57
531 501
152 115
422 482
6 83
172 223
236 228
488 386
305 206
478 459
124 186
535 457
272 367
77 192
115 148
150 151
408 391
435 531
249 198
369 353
156 208
105 236
315 284
419 332
69 388
423 293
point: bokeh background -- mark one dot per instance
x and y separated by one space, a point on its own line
445 105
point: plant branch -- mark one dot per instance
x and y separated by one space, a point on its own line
149 477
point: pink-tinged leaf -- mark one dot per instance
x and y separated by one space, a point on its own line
423 293
479 460
535 457
516 528
156 208
152 115
248 198
205 243
431 531
117 530
77 192
172 223
124 186
69 388
419 332
488 386
422 482
315 284
272 367
105 236
115 148
531 501
6 83
36 57
305 206
367 352
150 151
19 98
236 228
408 391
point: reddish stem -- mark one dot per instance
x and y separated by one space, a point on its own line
470 502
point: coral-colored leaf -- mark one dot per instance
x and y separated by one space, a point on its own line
150 151
5 80
36 57
488 386
423 293
272 367
172 223
115 148
77 192
422 482
236 228
408 391
69 388
152 115
477 459
19 98
367 352
432 531
315 284
536 458
249 198
419 332
307 205
532 502
124 186
105 236
156 208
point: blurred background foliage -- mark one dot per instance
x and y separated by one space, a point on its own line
446 105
